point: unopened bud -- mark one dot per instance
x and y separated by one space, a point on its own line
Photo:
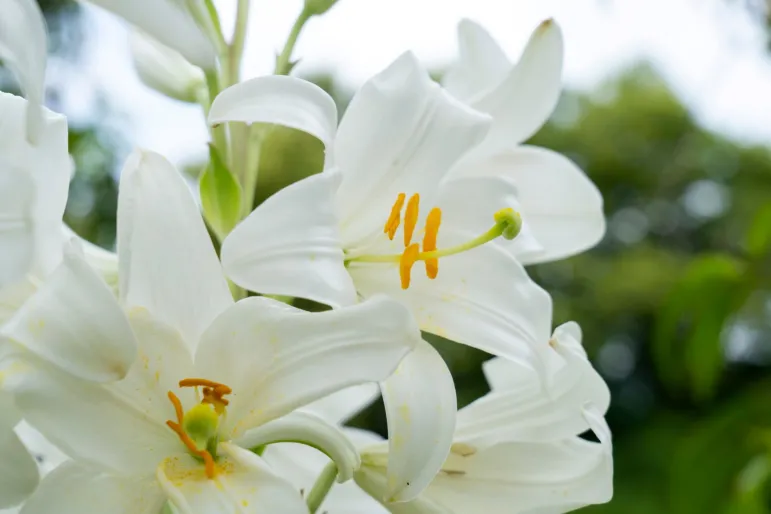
165 70
510 222
316 7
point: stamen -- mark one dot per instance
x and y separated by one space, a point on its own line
411 218
429 240
213 392
406 262
211 468
395 218
192 382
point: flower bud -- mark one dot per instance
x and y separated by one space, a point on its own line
165 70
316 7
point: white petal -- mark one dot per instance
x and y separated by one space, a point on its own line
47 456
420 405
400 134
516 410
302 464
561 205
23 48
75 489
13 296
244 484
311 430
171 23
279 100
75 323
18 470
96 424
481 64
343 405
103 261
482 298
35 181
290 245
167 261
164 69
522 102
569 474
277 358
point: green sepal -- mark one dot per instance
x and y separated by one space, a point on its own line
220 195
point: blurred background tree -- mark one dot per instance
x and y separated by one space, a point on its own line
675 302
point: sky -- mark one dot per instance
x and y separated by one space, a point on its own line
711 53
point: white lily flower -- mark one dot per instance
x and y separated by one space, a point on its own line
182 25
156 395
164 69
562 207
333 237
23 48
516 450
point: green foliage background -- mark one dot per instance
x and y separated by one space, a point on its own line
675 302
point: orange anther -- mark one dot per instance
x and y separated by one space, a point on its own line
177 406
208 460
411 218
193 382
395 218
406 262
429 240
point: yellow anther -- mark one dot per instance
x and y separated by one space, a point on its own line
406 262
395 218
429 240
411 218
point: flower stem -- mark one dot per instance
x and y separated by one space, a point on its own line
283 61
322 487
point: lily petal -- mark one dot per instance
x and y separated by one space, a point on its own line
246 484
290 245
482 298
561 205
18 471
74 322
343 405
280 100
312 431
401 133
277 358
35 183
23 48
481 63
420 405
522 102
168 264
73 488
171 23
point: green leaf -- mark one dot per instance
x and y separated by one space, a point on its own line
687 344
220 196
758 241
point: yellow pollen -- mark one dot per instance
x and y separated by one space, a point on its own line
395 218
408 259
411 218
429 240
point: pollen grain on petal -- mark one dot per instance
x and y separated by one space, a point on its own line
433 221
411 218
406 262
395 217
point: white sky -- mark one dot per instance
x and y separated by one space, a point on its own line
713 55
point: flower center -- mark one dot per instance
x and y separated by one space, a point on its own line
198 428
508 223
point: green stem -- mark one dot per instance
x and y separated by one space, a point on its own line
218 133
214 19
283 61
236 48
322 487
